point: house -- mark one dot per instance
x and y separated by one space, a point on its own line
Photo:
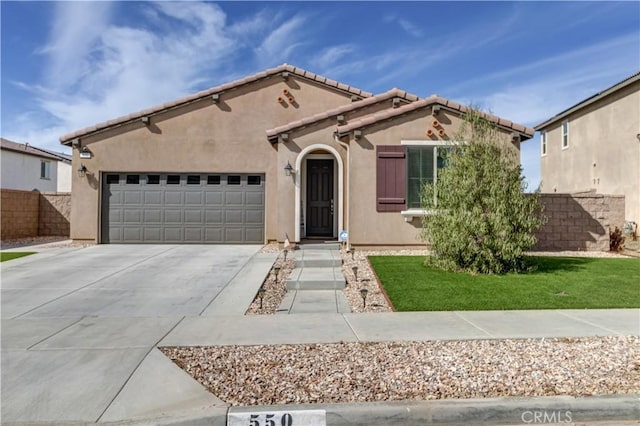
27 167
284 152
595 146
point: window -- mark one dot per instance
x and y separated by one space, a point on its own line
565 134
45 170
173 180
543 143
213 180
423 164
193 180
402 170
153 179
233 180
254 180
133 179
113 179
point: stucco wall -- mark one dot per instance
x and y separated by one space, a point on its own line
603 152
19 213
579 221
201 137
22 172
54 214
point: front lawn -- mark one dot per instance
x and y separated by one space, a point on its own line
8 255
558 283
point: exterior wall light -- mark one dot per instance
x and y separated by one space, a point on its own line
357 134
82 171
288 169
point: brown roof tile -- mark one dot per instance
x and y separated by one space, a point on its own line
393 93
425 103
25 148
66 139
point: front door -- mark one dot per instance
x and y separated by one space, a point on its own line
320 198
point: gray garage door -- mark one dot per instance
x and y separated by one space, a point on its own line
182 208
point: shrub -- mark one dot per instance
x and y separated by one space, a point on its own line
616 240
483 222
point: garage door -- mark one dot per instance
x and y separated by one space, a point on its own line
182 208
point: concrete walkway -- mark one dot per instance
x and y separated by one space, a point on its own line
81 328
316 284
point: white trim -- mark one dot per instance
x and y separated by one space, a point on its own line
543 143
410 214
298 183
562 134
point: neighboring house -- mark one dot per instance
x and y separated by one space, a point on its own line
284 152
26 167
595 146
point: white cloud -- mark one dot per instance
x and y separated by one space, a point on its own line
330 55
279 45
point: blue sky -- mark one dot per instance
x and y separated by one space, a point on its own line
67 65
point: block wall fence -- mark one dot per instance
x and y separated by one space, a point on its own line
30 214
579 221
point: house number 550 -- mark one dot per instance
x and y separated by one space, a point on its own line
286 419
277 418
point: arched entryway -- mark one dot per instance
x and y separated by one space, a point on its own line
319 189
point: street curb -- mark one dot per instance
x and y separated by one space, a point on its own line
494 411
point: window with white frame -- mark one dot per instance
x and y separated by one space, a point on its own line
45 170
543 143
565 134
423 163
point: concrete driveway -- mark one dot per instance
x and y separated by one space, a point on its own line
80 326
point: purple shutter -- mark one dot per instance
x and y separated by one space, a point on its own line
391 178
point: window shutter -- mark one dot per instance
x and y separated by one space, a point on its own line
391 178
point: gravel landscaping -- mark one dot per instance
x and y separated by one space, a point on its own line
365 372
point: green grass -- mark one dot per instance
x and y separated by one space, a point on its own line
9 255
581 282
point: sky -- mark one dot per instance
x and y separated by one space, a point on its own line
68 65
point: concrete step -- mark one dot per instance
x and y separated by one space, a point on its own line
314 278
320 246
314 301
318 258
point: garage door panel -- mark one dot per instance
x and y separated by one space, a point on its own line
153 216
173 198
254 199
213 235
152 233
179 208
193 216
173 216
213 199
132 197
255 217
153 197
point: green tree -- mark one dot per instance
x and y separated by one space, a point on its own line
481 220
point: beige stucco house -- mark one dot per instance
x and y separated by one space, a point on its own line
595 146
284 152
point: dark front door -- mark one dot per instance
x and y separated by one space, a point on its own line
320 198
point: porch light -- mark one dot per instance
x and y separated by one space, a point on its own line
82 171
355 272
261 293
363 294
288 169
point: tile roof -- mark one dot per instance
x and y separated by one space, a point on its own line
393 93
66 139
424 103
25 148
609 90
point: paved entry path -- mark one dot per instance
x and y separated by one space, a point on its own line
316 285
